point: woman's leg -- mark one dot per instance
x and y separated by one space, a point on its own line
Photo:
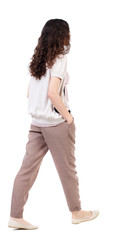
36 148
61 142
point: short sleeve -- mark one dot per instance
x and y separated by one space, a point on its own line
59 67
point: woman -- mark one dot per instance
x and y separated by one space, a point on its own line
52 127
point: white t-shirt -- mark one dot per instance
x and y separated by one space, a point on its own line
40 107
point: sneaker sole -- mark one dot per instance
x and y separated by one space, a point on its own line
22 228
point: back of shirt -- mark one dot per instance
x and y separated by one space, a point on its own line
40 107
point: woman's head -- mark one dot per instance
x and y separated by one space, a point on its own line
53 41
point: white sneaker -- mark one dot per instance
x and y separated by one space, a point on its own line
95 213
15 224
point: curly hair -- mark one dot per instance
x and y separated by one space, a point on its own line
54 40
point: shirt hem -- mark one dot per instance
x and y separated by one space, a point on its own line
43 124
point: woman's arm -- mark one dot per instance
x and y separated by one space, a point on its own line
28 90
56 98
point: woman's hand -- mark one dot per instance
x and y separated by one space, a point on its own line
70 119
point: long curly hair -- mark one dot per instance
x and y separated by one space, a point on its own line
53 41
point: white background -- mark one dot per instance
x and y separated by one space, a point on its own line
99 98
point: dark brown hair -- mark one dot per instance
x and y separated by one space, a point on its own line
54 40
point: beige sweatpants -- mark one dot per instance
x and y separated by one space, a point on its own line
60 140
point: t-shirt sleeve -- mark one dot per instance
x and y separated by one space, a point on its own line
59 67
